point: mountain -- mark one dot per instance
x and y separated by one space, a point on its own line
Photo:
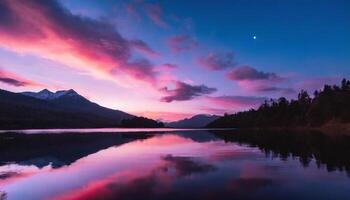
48 95
197 121
70 100
62 109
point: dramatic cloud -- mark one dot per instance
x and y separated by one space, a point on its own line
15 80
181 43
155 13
46 29
143 47
184 91
248 73
217 61
236 102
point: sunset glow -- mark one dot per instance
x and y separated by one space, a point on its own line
167 61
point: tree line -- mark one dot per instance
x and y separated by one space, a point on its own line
330 104
140 122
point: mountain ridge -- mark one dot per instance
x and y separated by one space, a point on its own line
196 121
46 94
65 109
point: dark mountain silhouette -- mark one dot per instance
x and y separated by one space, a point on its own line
197 121
48 95
63 109
141 122
72 101
329 107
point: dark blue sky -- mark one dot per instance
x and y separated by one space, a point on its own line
287 31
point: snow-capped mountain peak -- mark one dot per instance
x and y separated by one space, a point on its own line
70 92
46 94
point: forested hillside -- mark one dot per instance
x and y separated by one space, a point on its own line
331 104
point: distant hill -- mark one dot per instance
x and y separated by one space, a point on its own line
328 108
62 109
197 121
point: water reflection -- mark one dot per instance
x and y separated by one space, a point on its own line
57 149
329 151
187 165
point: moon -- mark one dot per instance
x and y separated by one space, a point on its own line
254 37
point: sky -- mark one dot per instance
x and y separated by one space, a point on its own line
171 59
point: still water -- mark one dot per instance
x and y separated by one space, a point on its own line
174 165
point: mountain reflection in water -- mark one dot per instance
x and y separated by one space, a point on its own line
174 165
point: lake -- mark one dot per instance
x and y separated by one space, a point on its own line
174 164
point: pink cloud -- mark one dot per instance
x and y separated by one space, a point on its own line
48 30
184 92
180 43
217 61
15 80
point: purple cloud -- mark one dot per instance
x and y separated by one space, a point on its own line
168 66
143 47
141 69
15 80
247 73
217 61
274 89
181 43
184 91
